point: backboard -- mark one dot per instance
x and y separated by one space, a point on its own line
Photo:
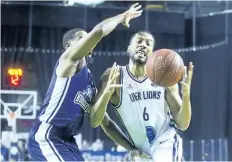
17 101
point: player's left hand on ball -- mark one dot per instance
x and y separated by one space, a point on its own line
133 12
187 79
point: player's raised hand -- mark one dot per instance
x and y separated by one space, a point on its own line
111 83
187 80
133 12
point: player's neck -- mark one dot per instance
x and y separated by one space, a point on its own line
80 64
138 71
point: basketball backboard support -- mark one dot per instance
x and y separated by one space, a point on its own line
29 100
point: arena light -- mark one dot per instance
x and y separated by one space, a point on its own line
85 2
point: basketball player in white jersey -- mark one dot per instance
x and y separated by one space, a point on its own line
70 94
149 113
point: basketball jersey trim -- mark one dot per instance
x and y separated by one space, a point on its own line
42 138
132 77
120 90
175 148
130 138
120 102
50 144
51 110
59 102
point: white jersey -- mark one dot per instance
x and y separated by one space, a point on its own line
143 111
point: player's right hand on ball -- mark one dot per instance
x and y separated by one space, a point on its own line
111 83
133 12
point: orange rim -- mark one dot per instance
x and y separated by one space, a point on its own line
11 115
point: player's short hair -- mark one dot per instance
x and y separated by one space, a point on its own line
70 35
142 32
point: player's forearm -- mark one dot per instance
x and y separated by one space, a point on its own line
183 117
98 109
108 25
82 47
115 133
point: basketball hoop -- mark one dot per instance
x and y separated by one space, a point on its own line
10 118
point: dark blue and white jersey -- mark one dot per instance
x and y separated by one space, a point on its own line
68 99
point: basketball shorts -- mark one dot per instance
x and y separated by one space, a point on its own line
45 143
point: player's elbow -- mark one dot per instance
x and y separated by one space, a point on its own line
94 123
94 119
183 121
183 126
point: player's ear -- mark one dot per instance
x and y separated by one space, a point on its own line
129 49
67 44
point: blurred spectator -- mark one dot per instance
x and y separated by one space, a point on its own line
85 146
22 150
121 149
113 149
4 155
3 124
97 146
6 138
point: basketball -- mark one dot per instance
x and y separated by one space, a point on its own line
165 67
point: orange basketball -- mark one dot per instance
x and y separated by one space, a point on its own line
165 67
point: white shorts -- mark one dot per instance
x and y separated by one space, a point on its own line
167 148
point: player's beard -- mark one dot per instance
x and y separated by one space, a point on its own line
138 61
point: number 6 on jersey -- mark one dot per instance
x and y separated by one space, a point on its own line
145 114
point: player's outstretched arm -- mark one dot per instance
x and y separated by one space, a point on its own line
82 47
181 109
107 88
115 133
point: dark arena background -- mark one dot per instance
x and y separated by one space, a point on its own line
31 43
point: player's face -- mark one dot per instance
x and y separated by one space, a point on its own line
141 47
77 37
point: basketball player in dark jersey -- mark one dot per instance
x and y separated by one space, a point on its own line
70 94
